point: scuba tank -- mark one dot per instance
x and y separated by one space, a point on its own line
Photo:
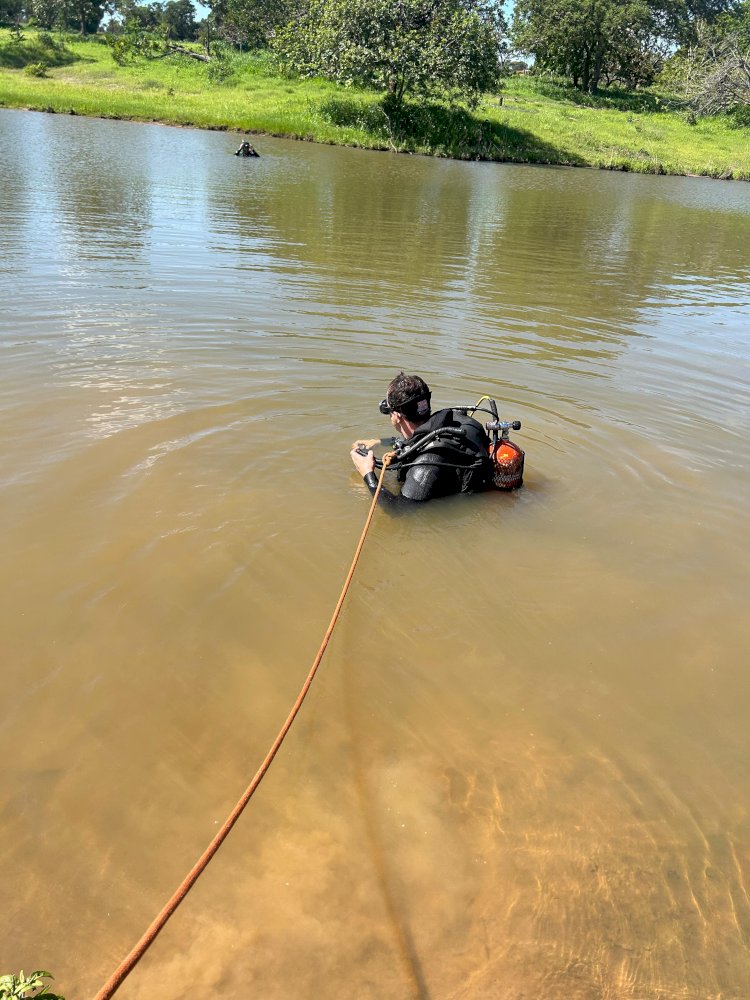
507 460
507 457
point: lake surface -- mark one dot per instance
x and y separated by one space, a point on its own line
524 768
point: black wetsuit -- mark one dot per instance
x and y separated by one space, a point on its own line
447 454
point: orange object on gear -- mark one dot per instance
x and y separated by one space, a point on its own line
507 461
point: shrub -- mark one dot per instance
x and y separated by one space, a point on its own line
36 69
221 68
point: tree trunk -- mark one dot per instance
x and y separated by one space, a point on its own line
187 52
586 72
596 72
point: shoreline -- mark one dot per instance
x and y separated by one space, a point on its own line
533 121
166 123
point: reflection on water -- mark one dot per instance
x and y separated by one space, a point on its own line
523 770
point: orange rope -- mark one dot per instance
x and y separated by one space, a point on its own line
136 954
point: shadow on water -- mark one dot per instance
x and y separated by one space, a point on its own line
447 131
401 928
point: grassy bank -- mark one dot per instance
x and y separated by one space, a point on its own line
537 121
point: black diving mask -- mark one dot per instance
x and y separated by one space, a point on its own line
414 406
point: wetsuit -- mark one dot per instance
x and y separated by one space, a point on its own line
447 454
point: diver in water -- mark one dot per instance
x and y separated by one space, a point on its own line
246 150
438 454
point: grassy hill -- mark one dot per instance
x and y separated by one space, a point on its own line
530 121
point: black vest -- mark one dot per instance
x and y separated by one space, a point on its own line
455 442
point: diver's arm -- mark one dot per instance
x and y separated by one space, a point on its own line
422 482
386 497
426 478
365 466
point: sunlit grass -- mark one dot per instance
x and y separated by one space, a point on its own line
538 121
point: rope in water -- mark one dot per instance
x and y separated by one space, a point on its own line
139 950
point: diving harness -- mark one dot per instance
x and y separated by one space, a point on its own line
505 457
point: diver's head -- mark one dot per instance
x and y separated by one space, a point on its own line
407 400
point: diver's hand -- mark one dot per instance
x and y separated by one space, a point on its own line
367 443
363 463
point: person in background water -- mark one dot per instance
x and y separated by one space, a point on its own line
428 464
246 150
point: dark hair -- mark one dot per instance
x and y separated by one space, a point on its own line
410 396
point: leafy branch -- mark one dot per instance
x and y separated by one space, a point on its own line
14 987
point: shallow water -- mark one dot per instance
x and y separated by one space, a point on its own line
523 770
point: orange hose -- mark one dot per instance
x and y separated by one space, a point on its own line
139 950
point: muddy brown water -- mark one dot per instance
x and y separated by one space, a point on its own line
524 770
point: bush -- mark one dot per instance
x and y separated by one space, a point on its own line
221 68
48 42
36 69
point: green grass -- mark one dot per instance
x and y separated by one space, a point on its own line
539 121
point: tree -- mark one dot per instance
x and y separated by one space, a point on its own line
250 22
681 21
178 19
594 40
445 47
47 13
589 39
145 29
714 75
10 12
144 32
147 16
82 15
85 15
735 24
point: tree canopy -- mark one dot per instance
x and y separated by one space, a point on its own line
250 23
594 41
735 24
174 19
178 19
586 39
80 15
421 47
10 11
